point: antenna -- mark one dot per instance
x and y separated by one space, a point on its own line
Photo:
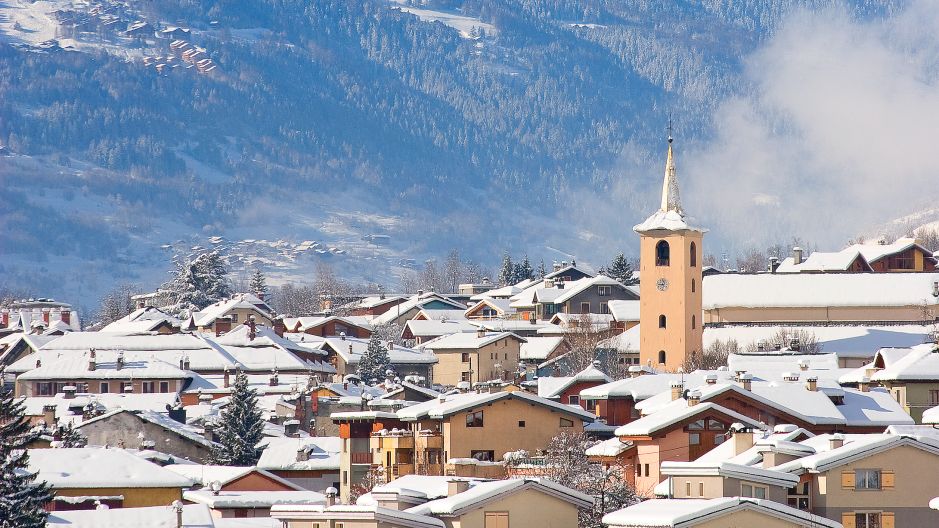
669 127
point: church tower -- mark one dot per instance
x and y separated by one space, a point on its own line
670 252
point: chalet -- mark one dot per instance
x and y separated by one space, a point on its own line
567 389
474 357
139 30
222 316
903 255
401 312
583 296
310 463
488 308
144 320
374 305
329 326
564 272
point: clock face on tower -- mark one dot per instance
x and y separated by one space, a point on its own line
661 284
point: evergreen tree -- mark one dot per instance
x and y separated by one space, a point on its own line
21 498
199 282
258 284
67 436
541 269
527 271
621 270
240 428
507 272
375 361
214 275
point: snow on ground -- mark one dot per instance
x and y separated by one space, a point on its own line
463 24
24 22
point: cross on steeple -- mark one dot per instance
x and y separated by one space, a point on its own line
669 127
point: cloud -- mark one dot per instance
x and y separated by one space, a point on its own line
833 132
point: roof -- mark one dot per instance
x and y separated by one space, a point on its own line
252 499
609 448
351 349
675 513
481 493
553 387
419 486
588 271
189 432
820 261
417 301
500 305
280 454
244 301
91 467
448 405
539 348
624 310
931 415
677 412
384 516
919 363
731 470
76 366
795 290
205 475
306 323
437 327
194 516
467 340
141 320
666 221
857 447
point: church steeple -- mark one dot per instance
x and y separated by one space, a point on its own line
671 200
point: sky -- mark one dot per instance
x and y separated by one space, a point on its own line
831 135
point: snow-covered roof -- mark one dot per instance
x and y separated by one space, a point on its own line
447 405
252 499
501 305
506 292
730 470
241 301
428 487
627 341
624 310
306 323
76 366
66 407
649 385
552 387
322 453
856 447
376 300
140 321
931 415
437 327
821 261
91 467
191 433
679 513
205 475
467 340
351 349
480 492
383 516
417 301
609 448
846 341
194 516
798 290
666 221
676 412
539 348
920 363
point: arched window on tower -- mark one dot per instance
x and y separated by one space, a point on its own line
661 253
692 285
662 321
693 257
661 357
692 322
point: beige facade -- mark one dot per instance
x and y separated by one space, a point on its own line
715 486
496 361
527 509
813 314
914 396
133 497
670 298
753 518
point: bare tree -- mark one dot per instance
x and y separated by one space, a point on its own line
410 282
452 272
583 335
295 300
797 339
116 304
714 355
430 277
928 237
375 476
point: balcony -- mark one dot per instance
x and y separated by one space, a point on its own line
430 440
398 470
392 441
361 458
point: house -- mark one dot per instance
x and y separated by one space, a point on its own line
713 513
374 305
582 296
522 503
489 308
144 320
232 478
564 272
20 315
401 312
329 326
145 429
625 314
910 374
16 345
113 477
474 357
222 316
821 298
173 516
140 30
903 255
537 350
344 353
311 463
420 331
250 504
566 389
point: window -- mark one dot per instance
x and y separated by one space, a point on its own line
497 520
483 456
663 322
688 488
867 479
234 317
127 385
567 423
604 291
149 387
638 469
647 469
692 285
584 307
103 388
521 423
604 308
694 438
573 399
933 398
465 357
719 439
474 419
661 357
164 387
464 376
693 255
661 253
697 425
751 490
700 489
867 520
714 425
799 497
692 322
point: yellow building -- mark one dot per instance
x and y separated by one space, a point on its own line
474 357
670 291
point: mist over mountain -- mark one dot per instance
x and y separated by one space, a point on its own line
483 125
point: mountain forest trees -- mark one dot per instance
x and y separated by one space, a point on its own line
21 497
240 428
375 361
198 282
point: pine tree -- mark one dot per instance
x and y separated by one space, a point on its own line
214 276
21 498
527 271
258 284
541 270
240 428
507 272
67 436
621 270
198 282
375 361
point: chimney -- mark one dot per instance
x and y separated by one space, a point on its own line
274 378
480 332
694 398
456 486
711 379
186 362
797 255
555 266
302 454
178 508
209 431
292 430
342 337
120 360
345 386
331 493
69 391
773 264
204 399
92 360
227 378
279 327
252 328
865 384
38 363
746 381
742 439
178 413
48 415
66 316
549 283
677 388
835 441
4 318
812 383
45 315
635 371
803 365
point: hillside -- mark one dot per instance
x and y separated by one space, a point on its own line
479 124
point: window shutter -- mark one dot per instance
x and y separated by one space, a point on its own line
886 480
847 480
847 520
886 519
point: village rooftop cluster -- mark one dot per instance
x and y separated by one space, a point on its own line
803 395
